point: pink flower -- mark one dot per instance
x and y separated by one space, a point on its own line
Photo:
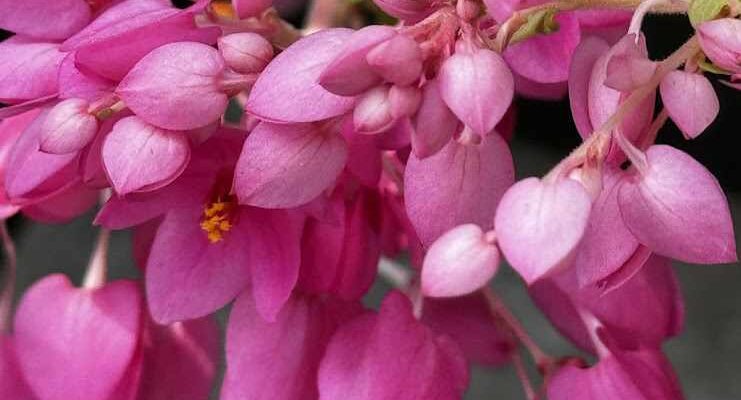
205 230
371 355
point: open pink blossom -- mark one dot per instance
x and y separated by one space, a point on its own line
640 373
460 184
655 287
674 206
204 230
77 342
550 216
371 355
459 262
300 335
690 101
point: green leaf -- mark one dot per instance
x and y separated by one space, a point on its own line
708 66
706 10
541 22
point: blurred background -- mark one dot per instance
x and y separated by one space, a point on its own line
707 356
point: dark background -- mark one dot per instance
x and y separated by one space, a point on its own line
707 355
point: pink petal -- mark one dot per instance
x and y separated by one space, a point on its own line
408 10
461 184
288 89
630 68
12 383
607 242
373 111
284 166
690 100
279 359
467 320
274 257
434 123
478 87
585 56
130 30
28 69
655 287
140 157
42 19
77 342
398 60
63 207
349 74
119 18
548 216
31 173
251 8
76 83
677 208
341 258
68 127
459 262
643 373
176 86
604 101
187 276
721 42
546 58
180 360
539 91
371 357
363 156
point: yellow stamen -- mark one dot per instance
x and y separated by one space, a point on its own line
215 221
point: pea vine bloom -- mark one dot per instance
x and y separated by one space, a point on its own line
351 149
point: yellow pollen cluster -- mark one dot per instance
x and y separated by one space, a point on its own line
216 220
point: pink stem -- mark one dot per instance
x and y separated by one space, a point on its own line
6 299
527 386
501 313
97 268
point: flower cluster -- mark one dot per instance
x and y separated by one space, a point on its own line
353 147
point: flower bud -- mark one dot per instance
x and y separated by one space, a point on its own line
404 100
398 60
68 127
373 111
721 42
245 52
460 262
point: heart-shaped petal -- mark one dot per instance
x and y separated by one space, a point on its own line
690 100
141 157
459 262
539 224
677 208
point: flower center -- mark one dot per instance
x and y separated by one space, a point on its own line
217 218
